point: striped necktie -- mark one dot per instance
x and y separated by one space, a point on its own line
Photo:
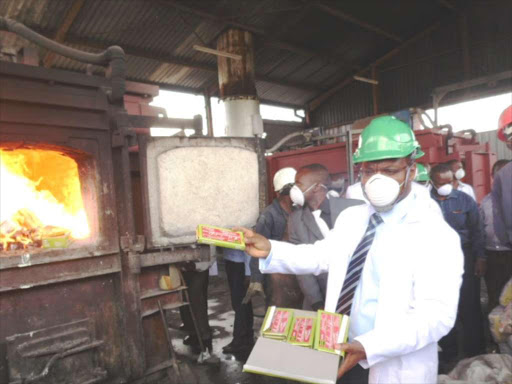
355 267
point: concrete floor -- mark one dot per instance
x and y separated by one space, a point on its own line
221 322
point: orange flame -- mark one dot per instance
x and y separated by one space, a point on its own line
39 189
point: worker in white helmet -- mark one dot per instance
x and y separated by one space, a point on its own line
272 222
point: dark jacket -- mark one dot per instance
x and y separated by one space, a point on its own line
502 204
303 229
460 211
271 224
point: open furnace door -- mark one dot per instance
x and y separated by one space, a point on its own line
203 180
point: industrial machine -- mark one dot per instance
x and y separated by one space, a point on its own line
439 143
94 211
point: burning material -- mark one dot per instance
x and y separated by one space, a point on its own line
40 200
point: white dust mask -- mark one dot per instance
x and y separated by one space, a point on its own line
445 190
297 195
460 174
381 191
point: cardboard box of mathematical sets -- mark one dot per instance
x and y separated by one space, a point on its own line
299 345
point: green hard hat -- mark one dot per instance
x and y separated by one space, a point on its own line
421 173
386 137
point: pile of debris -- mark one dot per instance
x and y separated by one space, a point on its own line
24 231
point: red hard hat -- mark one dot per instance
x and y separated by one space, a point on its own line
504 121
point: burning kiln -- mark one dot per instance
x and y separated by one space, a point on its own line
93 211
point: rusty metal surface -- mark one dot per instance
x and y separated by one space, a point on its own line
236 77
64 353
35 324
102 280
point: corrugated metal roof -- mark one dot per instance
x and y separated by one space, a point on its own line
497 146
159 34
354 102
409 78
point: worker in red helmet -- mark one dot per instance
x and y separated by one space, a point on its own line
502 185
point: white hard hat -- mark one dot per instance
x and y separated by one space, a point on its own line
283 177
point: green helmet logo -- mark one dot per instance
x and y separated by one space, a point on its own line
387 138
421 173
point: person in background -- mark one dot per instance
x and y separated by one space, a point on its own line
459 173
272 224
502 186
499 256
400 291
312 222
237 268
196 276
461 213
422 176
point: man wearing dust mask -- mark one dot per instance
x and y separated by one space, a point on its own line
400 292
461 213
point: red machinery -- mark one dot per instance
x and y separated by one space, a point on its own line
439 146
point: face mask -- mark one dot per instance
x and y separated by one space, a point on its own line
460 174
444 190
382 191
297 195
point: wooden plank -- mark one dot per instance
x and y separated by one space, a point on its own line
170 306
159 292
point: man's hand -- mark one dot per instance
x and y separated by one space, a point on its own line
255 244
255 288
480 267
354 353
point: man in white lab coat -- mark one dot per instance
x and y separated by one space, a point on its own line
394 265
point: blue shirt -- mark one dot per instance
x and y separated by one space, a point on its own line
237 256
461 212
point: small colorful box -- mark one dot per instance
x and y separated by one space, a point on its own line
277 323
331 329
56 242
302 331
220 237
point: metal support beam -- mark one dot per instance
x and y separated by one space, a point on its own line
351 19
60 36
209 116
464 42
375 91
315 102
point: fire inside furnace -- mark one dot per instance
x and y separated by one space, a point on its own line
41 203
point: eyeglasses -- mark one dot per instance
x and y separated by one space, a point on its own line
390 172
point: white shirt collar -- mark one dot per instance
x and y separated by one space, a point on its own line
399 212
